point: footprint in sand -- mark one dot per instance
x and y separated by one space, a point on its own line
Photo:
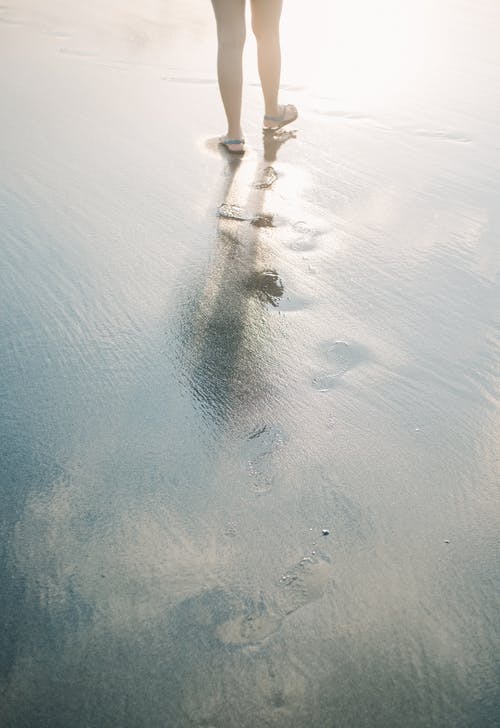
268 178
230 529
239 620
234 212
262 220
303 583
260 446
260 482
341 357
303 237
231 212
303 245
225 616
248 628
267 286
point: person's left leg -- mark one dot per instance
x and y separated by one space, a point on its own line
265 25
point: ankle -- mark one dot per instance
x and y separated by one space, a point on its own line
234 133
272 110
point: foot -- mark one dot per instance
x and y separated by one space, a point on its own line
235 146
286 114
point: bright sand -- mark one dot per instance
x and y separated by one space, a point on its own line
188 400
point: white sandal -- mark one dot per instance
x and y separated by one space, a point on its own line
228 143
288 115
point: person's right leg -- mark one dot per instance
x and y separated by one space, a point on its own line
230 18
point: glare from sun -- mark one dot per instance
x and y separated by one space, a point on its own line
359 51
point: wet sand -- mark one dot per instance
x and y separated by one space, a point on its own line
250 421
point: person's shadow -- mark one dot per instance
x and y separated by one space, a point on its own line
222 326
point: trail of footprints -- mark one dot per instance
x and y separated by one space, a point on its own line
306 581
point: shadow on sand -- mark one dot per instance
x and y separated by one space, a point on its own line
223 326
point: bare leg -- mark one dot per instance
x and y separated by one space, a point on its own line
265 24
230 18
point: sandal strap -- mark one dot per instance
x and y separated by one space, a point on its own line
232 141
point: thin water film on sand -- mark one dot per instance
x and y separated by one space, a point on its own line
249 421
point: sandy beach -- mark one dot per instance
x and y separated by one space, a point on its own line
250 416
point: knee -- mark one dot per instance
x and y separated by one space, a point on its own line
263 32
233 39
